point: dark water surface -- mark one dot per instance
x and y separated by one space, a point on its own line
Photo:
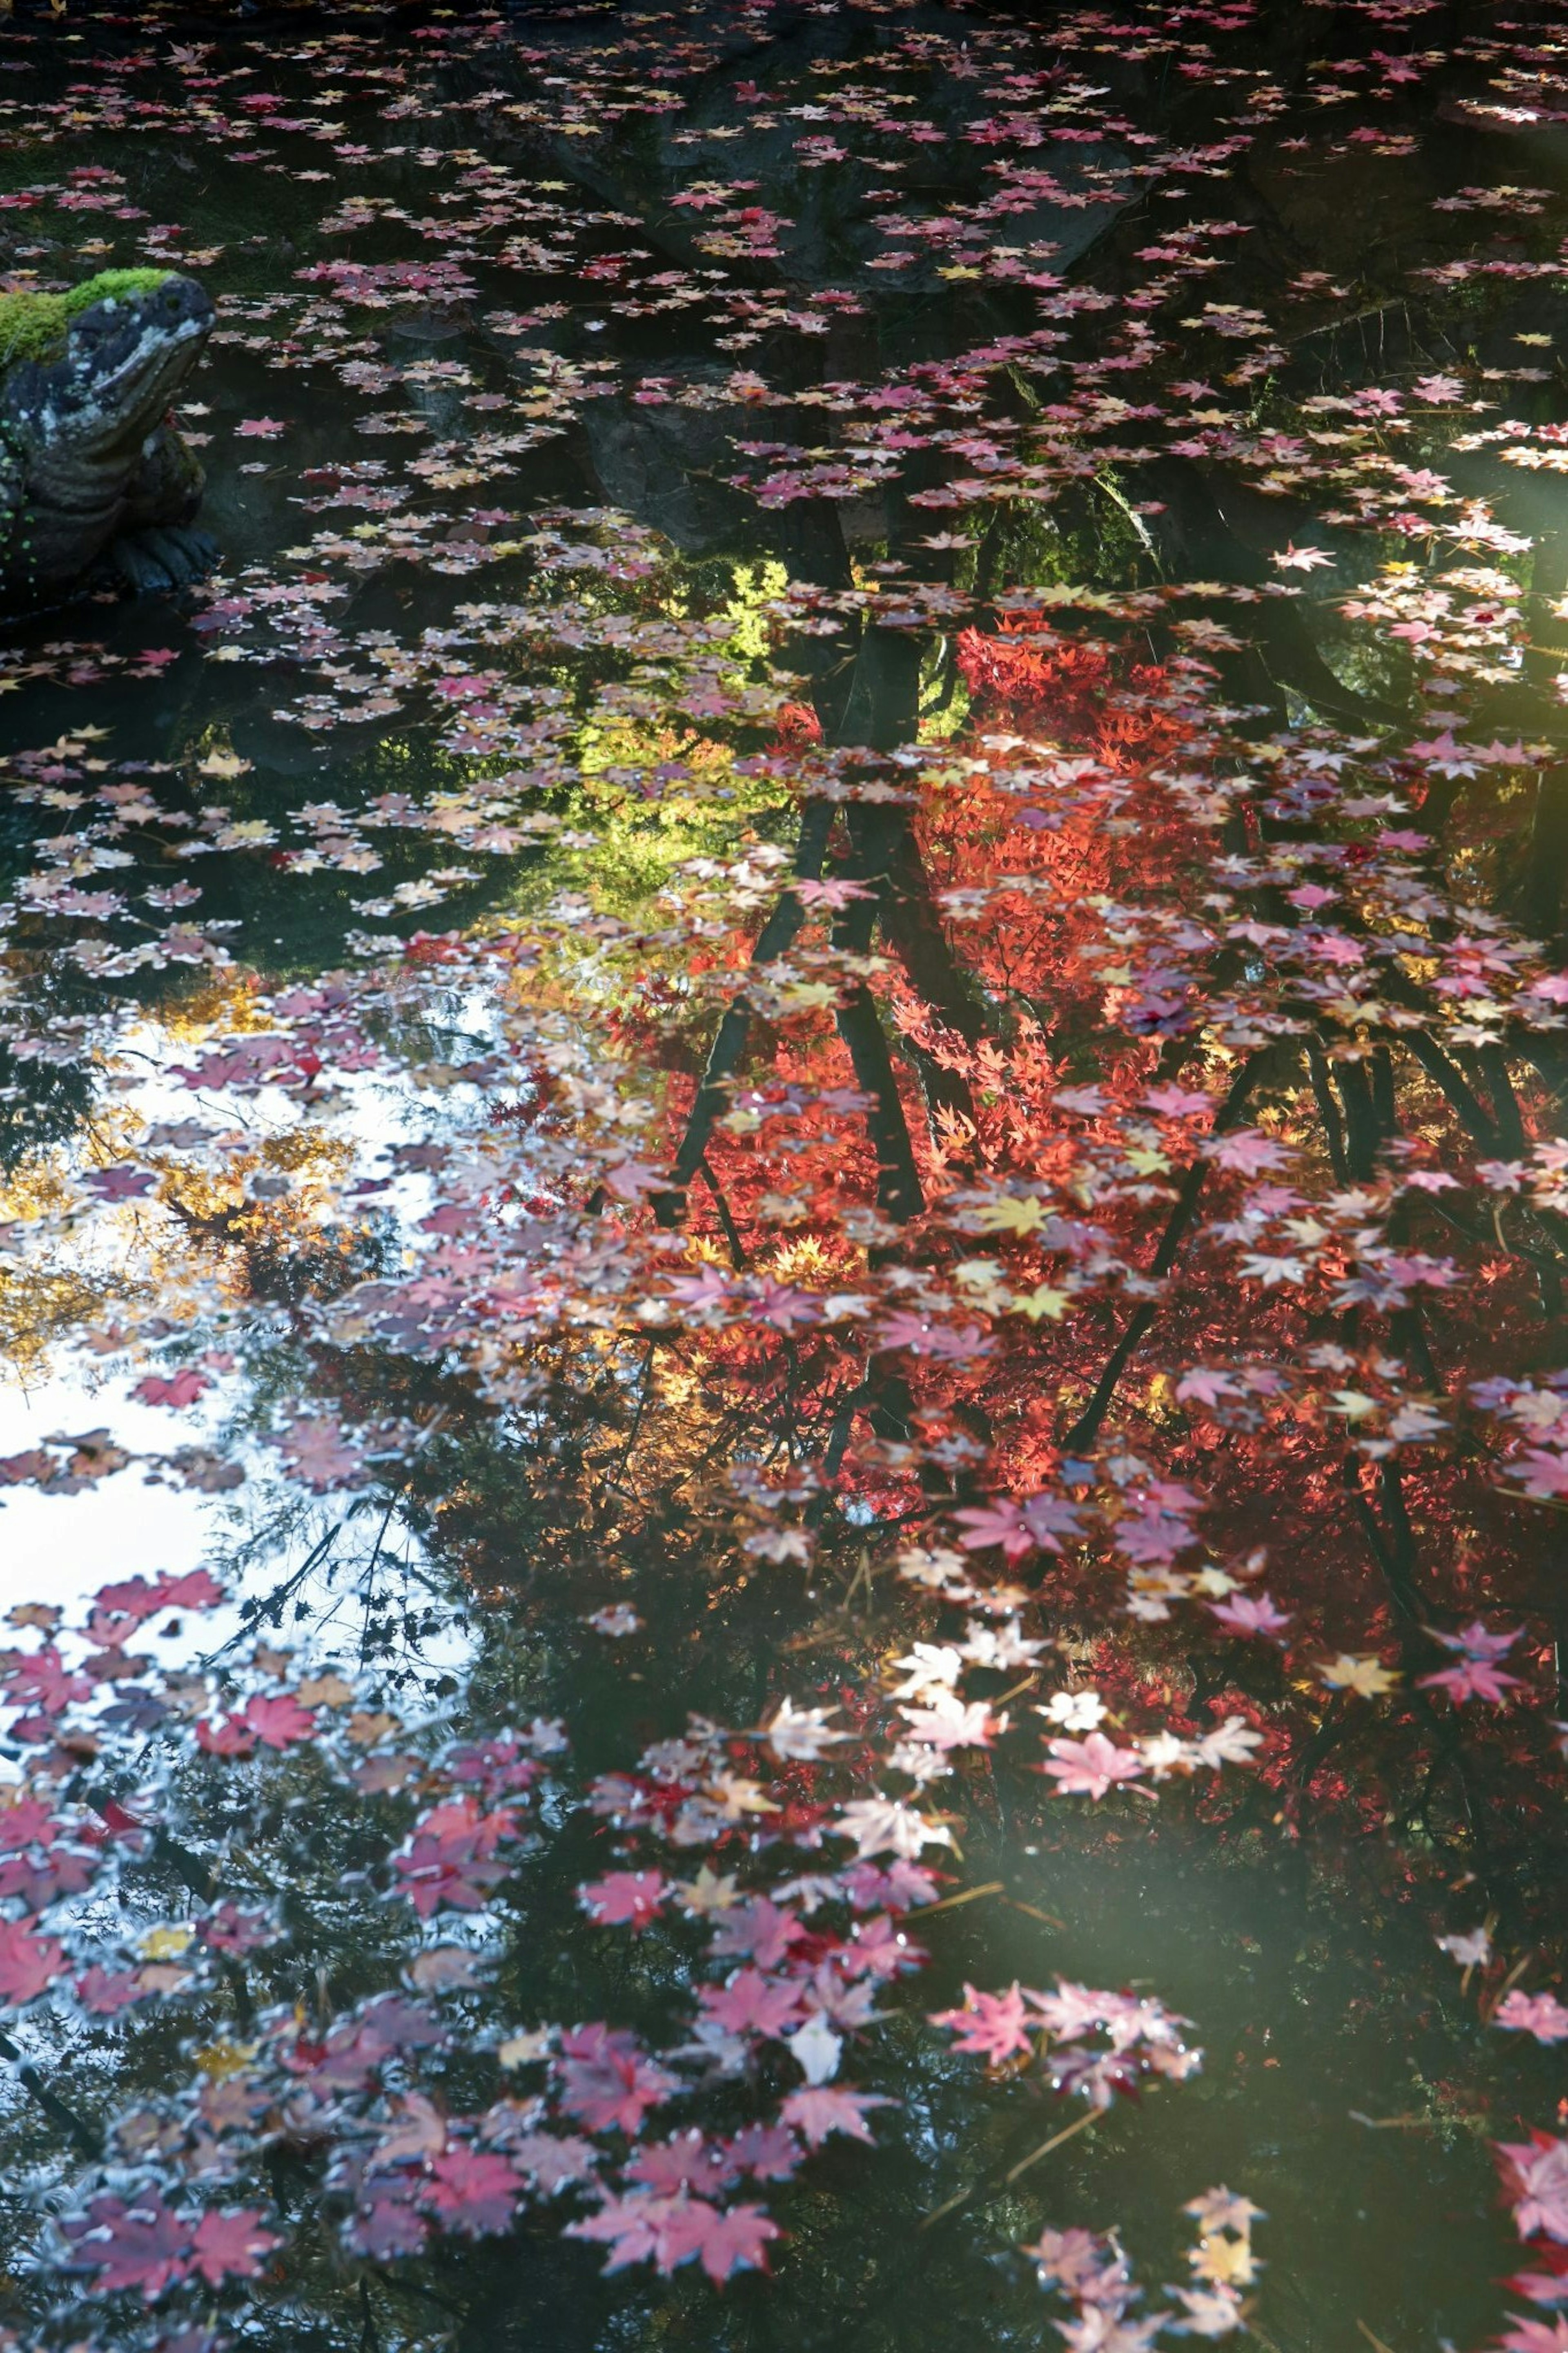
498 571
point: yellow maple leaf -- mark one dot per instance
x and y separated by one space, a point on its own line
1011 1215
1224 2259
739 1797
165 1944
1042 1301
518 2050
226 2058
323 1690
1365 1676
708 1892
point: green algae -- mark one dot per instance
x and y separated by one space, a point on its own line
32 326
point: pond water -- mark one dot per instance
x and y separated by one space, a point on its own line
830 975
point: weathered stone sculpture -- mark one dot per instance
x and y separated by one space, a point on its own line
95 482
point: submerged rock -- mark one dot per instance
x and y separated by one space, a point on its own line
94 480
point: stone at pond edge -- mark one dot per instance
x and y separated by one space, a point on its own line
92 477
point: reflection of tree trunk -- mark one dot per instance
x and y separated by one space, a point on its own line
724 1055
1197 541
898 1180
1546 853
877 706
1086 1429
885 856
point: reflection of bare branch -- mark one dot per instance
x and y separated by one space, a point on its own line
255 1610
1086 1428
1454 1085
76 2129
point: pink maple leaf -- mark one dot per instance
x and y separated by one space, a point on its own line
1018 1527
1536 2335
258 429
685 2161
1540 2014
450 1857
605 2080
231 2244
1088 1768
629 2227
817 2111
317 1451
1247 1151
102 1991
1544 1474
146 2245
473 2192
1249 1613
181 1388
759 1928
1476 1642
1471 1679
122 1183
1177 1102
1535 2173
751 2003
633 1180
28 1963
733 2239
767 2152
625 1895
994 2024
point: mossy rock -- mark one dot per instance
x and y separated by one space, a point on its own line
34 326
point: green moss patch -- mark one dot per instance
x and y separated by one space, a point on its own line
33 325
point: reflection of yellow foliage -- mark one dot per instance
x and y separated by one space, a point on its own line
38 1311
38 1188
225 999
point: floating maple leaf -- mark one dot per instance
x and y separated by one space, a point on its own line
1540 2014
817 2112
995 2025
633 1896
28 1963
1090 1768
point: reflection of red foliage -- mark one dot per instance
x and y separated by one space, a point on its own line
1025 665
799 726
1074 689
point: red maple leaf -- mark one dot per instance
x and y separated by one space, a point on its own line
473 2192
624 1895
230 2244
146 2245
281 1722
605 2080
28 1963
